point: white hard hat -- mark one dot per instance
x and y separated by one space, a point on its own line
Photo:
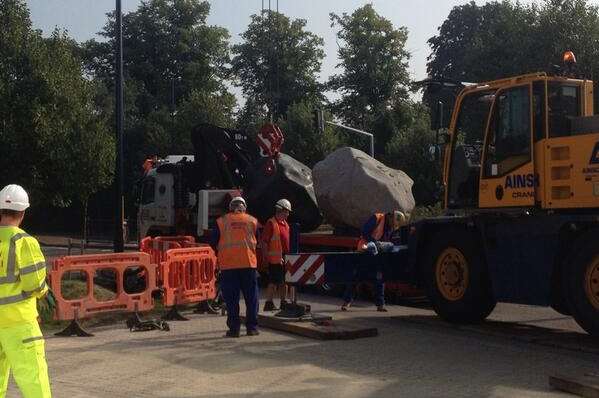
14 197
283 204
399 219
236 201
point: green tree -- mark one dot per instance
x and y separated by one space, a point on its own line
568 25
302 141
55 142
409 150
499 39
251 116
166 44
277 63
477 43
201 107
374 81
175 68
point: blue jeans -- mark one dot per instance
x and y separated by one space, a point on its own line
232 281
379 293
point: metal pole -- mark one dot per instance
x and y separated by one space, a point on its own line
119 244
173 111
361 132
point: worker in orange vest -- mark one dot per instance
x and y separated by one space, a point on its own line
234 239
379 228
275 244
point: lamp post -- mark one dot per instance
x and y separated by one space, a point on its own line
319 122
119 238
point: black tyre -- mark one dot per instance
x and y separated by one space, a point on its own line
558 301
581 282
457 279
561 307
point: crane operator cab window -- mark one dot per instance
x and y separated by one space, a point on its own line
508 142
464 169
563 104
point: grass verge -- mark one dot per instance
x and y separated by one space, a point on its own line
74 289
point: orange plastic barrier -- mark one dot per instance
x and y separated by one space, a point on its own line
157 250
190 275
88 305
158 246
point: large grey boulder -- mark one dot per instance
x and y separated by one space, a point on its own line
350 186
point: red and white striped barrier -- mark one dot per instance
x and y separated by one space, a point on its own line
305 269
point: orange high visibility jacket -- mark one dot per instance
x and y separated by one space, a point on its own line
274 253
377 233
237 243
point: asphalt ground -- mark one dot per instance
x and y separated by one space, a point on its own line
414 355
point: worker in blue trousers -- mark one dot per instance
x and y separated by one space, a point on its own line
378 228
235 240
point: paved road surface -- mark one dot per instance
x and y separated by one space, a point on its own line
415 355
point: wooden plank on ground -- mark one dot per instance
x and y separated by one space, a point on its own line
323 330
586 386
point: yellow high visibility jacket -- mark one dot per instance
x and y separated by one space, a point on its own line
22 276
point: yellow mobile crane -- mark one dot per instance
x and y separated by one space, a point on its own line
521 222
521 178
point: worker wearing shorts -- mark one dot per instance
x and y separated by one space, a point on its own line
275 244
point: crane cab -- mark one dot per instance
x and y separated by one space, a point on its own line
523 142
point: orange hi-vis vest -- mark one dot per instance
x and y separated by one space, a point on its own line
378 232
237 243
274 253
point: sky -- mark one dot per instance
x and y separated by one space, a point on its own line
84 18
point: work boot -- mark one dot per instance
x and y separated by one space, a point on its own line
232 333
269 306
345 306
253 332
381 308
283 304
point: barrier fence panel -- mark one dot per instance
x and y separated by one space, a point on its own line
190 276
88 265
157 250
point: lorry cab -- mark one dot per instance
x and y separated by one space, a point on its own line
156 210
155 197
168 205
523 142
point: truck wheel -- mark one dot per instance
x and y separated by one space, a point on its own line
561 307
581 283
558 301
458 283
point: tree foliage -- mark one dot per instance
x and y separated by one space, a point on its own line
500 39
175 68
302 141
374 79
278 62
409 150
55 142
166 43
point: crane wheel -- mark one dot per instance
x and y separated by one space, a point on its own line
581 282
457 278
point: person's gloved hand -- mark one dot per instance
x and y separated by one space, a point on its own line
51 299
371 248
384 247
47 305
